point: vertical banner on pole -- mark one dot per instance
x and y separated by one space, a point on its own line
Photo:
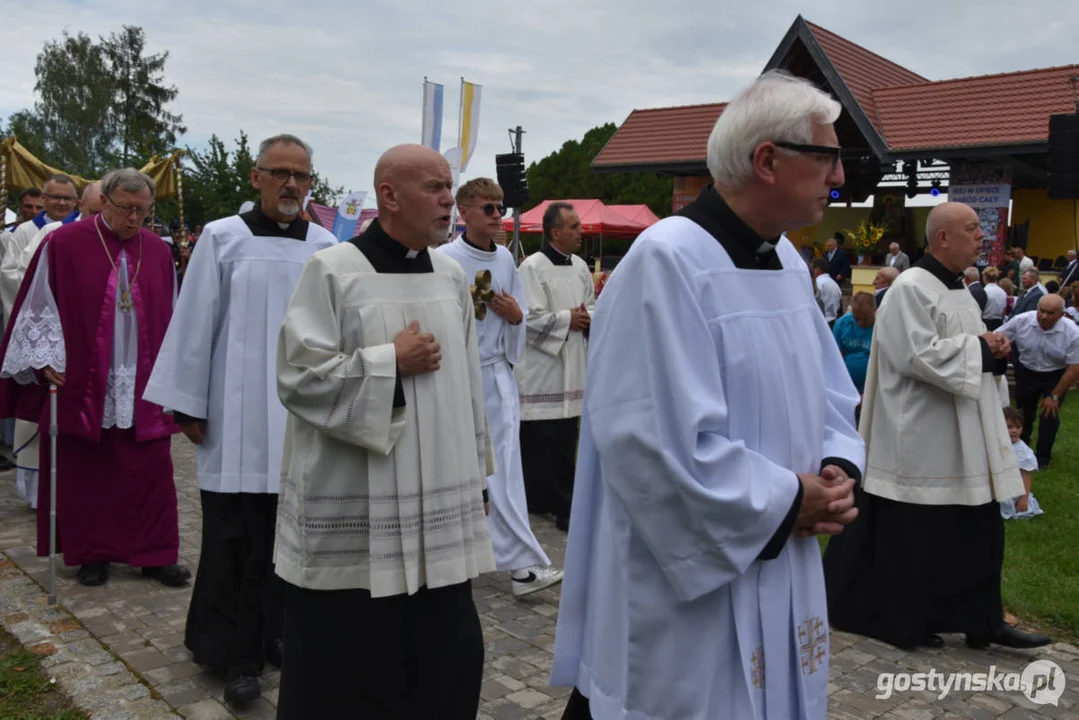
470 121
987 189
432 115
348 213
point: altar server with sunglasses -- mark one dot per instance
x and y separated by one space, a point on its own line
216 374
499 303
560 294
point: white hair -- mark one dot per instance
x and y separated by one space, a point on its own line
777 107
282 139
972 274
129 180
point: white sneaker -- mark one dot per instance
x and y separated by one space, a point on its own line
537 579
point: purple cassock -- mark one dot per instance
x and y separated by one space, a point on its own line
116 499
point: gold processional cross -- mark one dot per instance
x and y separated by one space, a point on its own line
481 293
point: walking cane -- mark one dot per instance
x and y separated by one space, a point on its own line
52 493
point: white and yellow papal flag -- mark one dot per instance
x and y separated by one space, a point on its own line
470 121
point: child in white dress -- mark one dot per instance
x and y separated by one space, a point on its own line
1024 506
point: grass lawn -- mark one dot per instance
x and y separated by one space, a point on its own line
1041 556
25 690
1040 582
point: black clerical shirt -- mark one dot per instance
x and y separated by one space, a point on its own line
555 256
750 251
386 255
262 225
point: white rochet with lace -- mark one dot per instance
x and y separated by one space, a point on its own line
37 342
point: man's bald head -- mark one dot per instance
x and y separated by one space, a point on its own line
414 192
1050 310
92 201
885 277
955 235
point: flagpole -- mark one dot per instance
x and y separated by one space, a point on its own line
423 118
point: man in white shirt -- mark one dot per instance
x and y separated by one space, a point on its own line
1047 368
996 300
1025 263
896 259
831 297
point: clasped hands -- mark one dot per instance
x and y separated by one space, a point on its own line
827 502
579 319
999 345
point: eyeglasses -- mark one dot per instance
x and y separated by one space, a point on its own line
281 175
832 152
139 210
491 208
61 198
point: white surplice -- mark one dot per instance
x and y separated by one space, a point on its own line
550 376
709 388
217 361
376 497
931 417
501 345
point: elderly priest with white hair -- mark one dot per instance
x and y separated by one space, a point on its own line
925 556
717 437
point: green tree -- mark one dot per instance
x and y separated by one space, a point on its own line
70 126
217 181
140 96
325 194
568 173
99 104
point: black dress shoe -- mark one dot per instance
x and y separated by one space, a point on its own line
1009 637
168 575
932 640
242 690
275 652
93 575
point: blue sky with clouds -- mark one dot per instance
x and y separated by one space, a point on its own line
347 76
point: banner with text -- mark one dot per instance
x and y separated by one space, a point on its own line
991 202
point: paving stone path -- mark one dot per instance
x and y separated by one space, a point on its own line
118 649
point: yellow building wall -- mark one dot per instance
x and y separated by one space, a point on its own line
1052 222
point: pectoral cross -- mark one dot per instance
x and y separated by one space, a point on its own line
481 293
125 303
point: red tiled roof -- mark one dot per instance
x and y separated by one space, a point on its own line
909 111
863 71
1005 109
661 136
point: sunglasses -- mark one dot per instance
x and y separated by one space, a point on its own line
491 208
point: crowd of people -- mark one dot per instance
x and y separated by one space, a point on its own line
376 419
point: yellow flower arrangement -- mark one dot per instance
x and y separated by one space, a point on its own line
866 236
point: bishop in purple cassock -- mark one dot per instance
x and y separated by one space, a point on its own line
90 316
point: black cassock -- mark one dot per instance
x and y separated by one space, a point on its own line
234 619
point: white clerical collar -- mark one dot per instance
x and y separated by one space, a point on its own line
766 247
411 254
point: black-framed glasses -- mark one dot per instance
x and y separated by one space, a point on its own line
128 209
490 209
832 152
61 198
281 175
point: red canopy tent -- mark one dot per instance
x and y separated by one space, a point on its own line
596 219
640 213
